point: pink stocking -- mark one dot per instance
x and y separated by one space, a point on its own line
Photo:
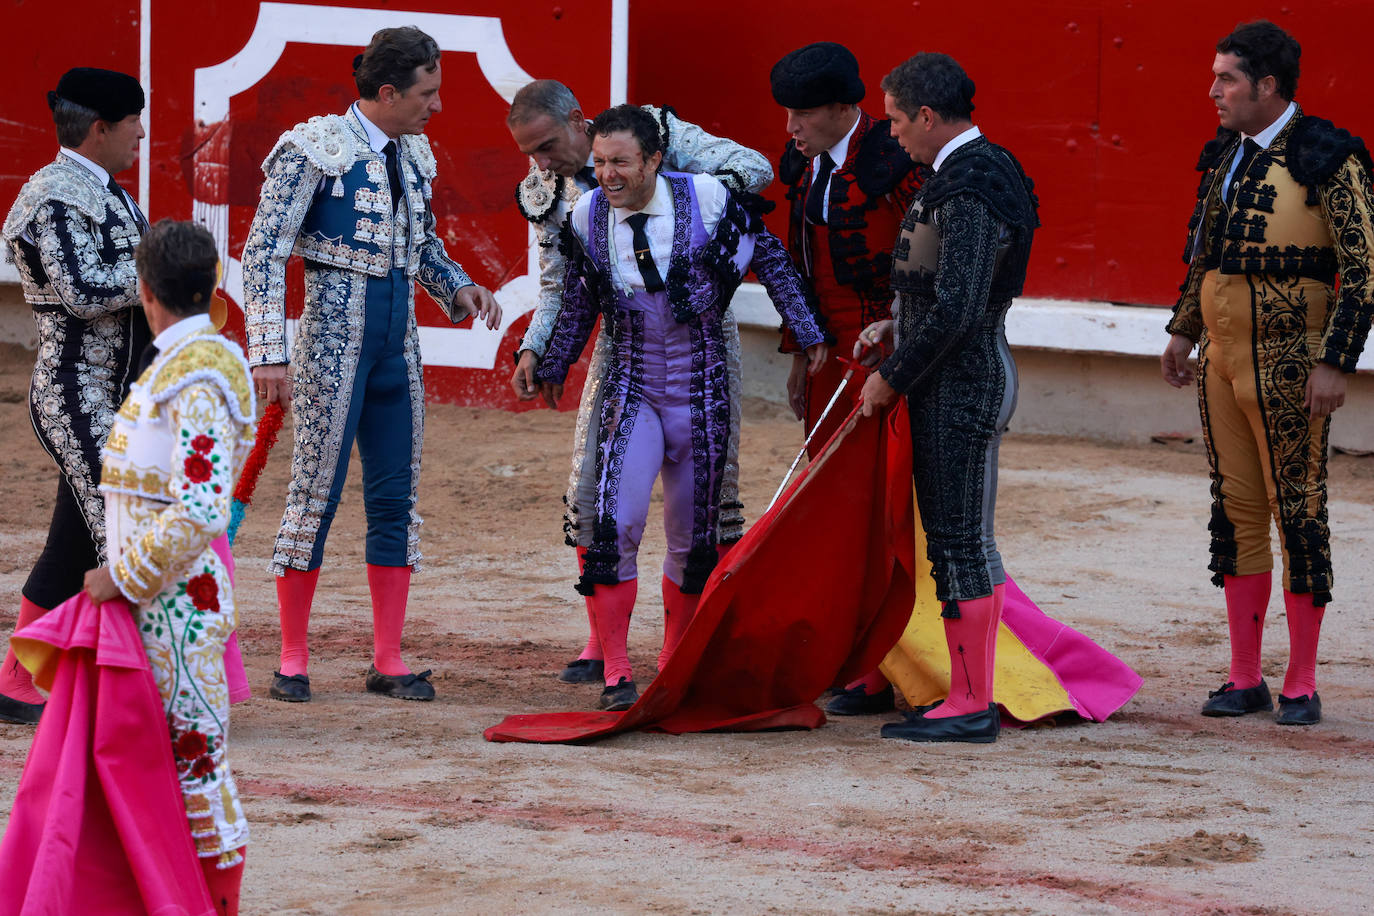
1247 600
970 688
678 610
390 588
224 883
593 648
611 608
295 592
15 680
1304 627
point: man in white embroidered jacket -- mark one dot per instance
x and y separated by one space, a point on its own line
71 233
548 125
351 195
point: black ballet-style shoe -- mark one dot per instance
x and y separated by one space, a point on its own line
618 698
584 671
19 712
1233 701
290 688
400 686
1304 710
854 702
972 728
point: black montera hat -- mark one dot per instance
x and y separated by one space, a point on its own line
818 74
111 94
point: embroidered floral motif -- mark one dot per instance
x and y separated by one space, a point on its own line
203 592
202 444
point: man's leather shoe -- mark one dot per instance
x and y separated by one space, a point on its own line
1300 710
1231 701
290 688
584 671
974 728
400 686
618 698
19 712
854 702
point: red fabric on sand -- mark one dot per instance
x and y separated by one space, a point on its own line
766 640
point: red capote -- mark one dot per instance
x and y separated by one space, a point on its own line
815 594
99 824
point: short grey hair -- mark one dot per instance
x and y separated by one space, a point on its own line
73 122
541 97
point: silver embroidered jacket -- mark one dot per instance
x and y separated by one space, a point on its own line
73 243
313 166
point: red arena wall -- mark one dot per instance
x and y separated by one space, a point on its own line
1104 103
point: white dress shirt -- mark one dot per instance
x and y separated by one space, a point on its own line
1263 138
711 198
973 133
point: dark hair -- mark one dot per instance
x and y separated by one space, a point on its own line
933 80
177 262
391 58
634 119
73 122
1264 50
541 97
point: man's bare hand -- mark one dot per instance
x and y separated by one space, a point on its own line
476 301
1325 390
100 585
796 385
1173 364
876 394
550 392
815 357
522 381
873 341
273 384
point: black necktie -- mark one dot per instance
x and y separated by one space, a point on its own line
134 213
653 283
393 173
145 359
815 198
1248 150
586 177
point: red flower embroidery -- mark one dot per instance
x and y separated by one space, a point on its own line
190 745
203 592
203 444
197 468
203 766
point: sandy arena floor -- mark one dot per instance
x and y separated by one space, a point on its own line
363 805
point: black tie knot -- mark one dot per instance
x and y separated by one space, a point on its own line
1248 150
815 197
393 172
644 258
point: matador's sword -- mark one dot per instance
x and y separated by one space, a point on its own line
848 374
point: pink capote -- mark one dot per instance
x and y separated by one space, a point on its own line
99 825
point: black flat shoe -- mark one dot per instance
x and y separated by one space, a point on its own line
290 688
618 698
584 671
854 702
973 728
1299 710
400 686
19 712
1230 701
